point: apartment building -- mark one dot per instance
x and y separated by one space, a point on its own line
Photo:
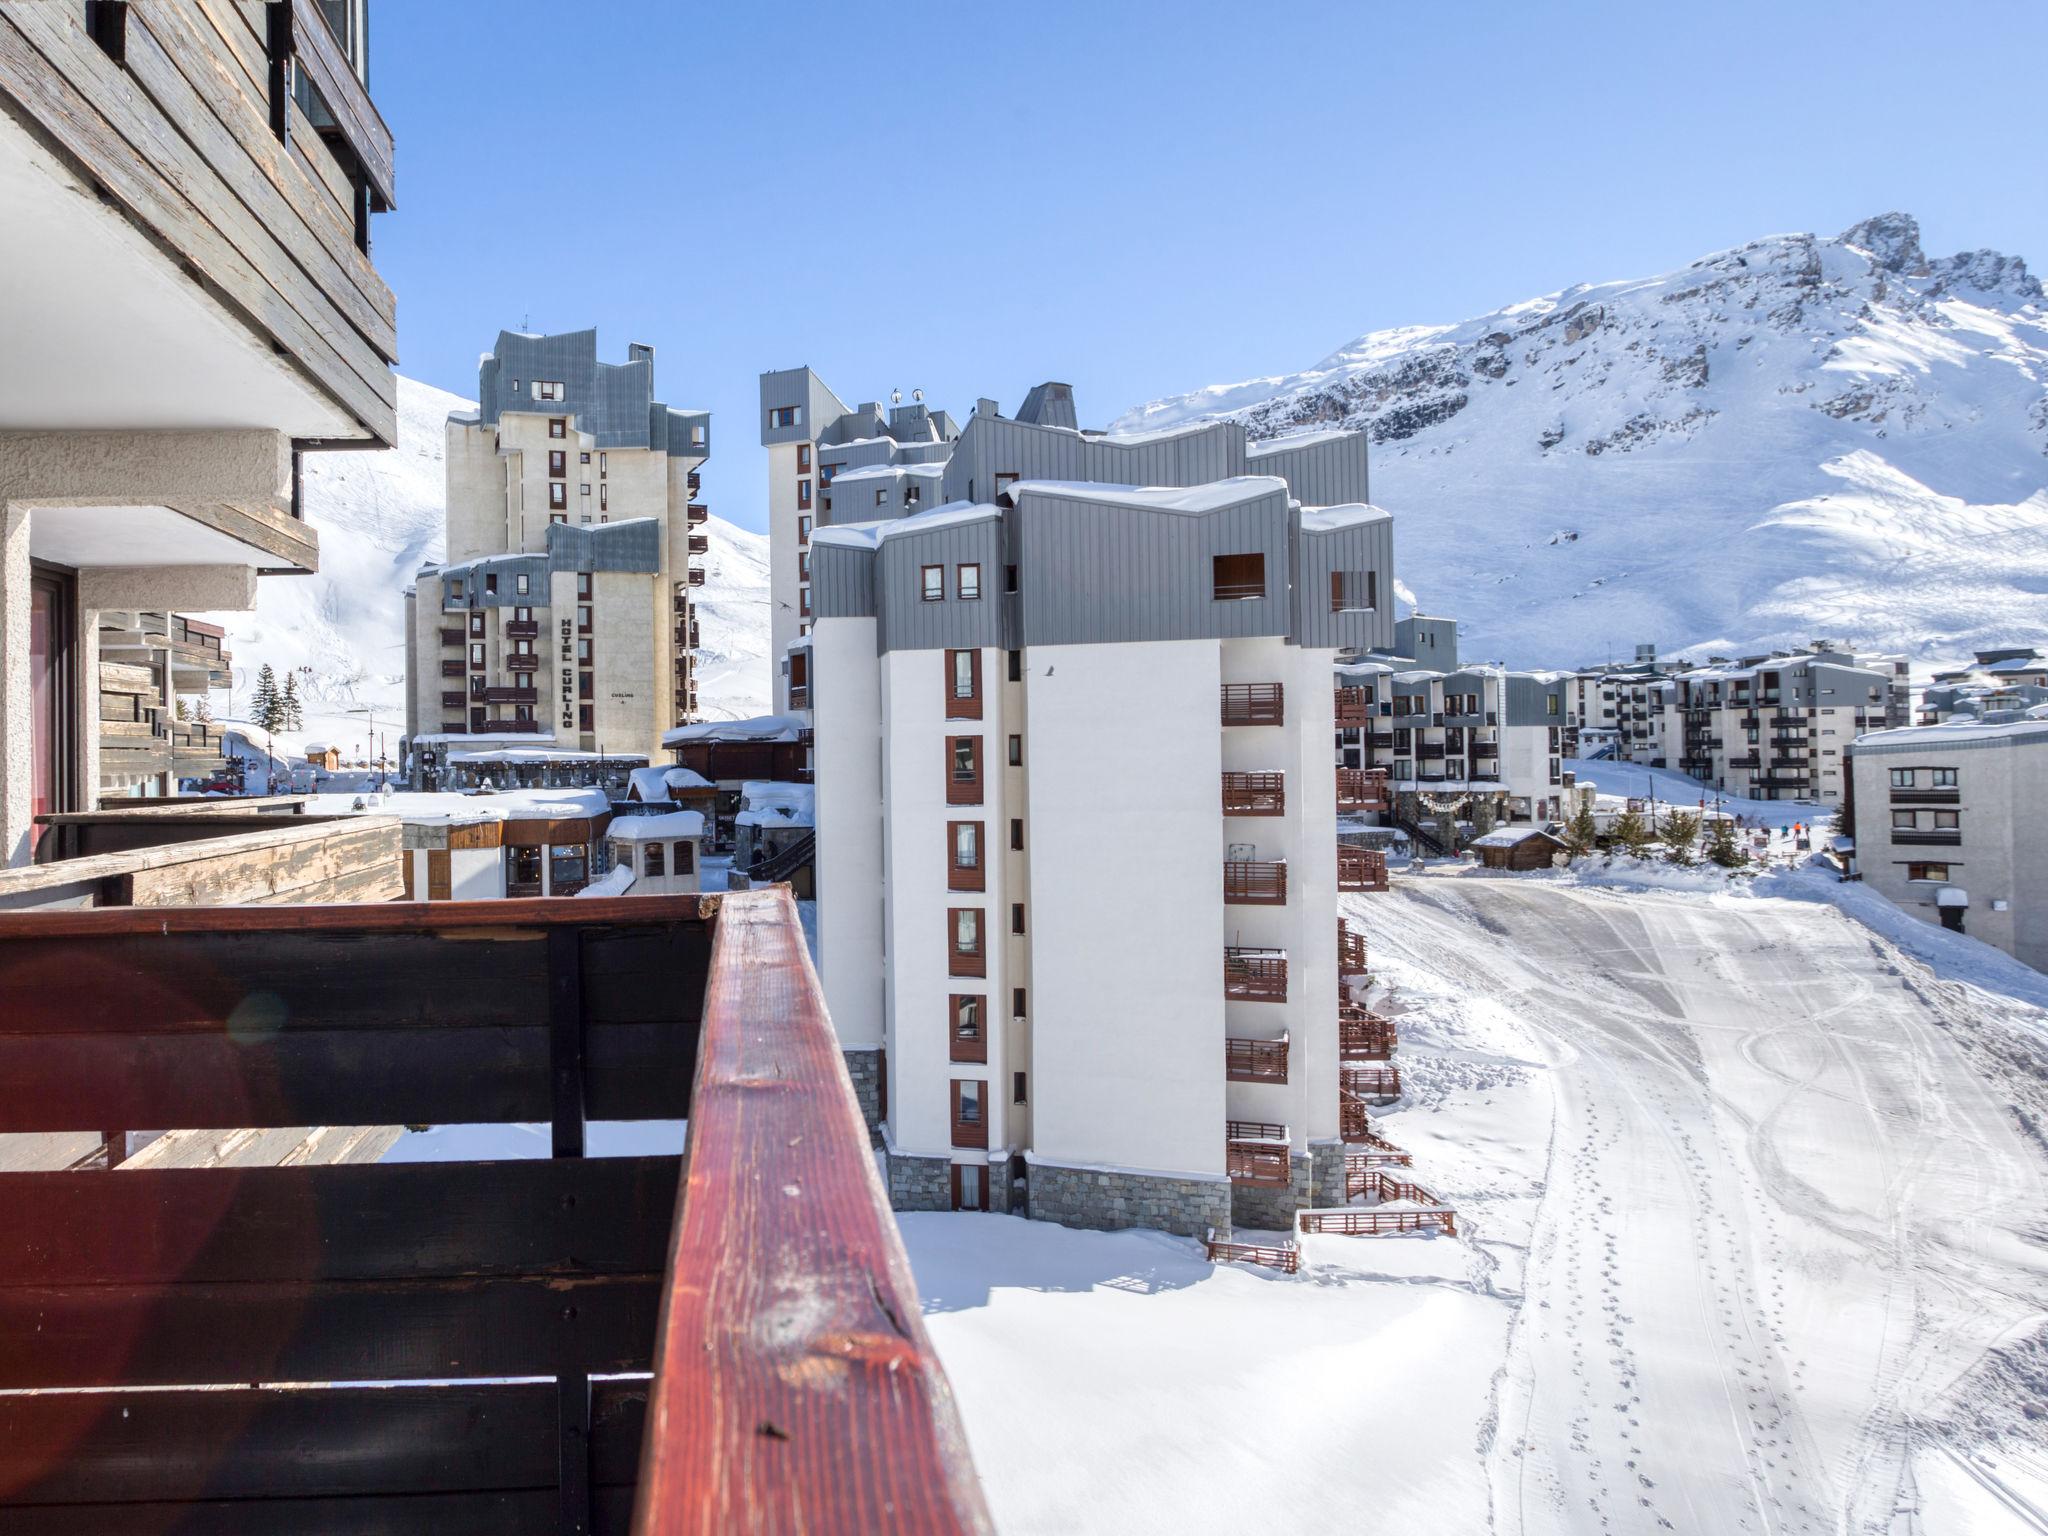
813 438
1038 705
2012 679
1947 821
1478 733
185 313
562 615
1776 727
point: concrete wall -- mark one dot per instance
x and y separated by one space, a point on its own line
847 687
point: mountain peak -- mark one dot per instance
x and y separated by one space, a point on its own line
1893 241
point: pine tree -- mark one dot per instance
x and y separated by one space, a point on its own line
184 709
1723 846
1679 831
203 710
1581 832
288 703
266 708
1632 832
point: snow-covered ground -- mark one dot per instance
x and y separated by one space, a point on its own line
1754 1199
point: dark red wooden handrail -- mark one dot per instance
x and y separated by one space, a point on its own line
794 1389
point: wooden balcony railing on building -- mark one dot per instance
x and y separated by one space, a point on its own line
1363 1035
1368 1153
1354 1121
1362 789
696 577
455 700
1254 794
1352 709
453 636
152 1311
1371 1221
700 543
1255 975
452 668
1249 883
799 695
1254 704
1281 1256
1350 951
698 513
1361 869
1255 1061
1370 1083
511 695
1258 1152
509 726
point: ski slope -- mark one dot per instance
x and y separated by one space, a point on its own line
1753 1210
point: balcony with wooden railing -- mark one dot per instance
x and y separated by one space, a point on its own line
510 726
1255 1061
454 700
1258 1153
1254 794
511 695
1362 789
1252 883
1255 975
698 513
1363 1035
1370 1084
523 629
453 668
1350 950
453 635
1223 1249
696 578
1254 704
1361 869
700 544
560 1343
1353 709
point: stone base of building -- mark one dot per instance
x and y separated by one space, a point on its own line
920 1183
865 1068
1104 1201
1272 1210
1326 1173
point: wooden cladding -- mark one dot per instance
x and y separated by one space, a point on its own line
1254 704
1352 709
1362 789
1361 869
967 1027
966 941
963 685
966 858
1249 883
1363 1035
1255 975
963 770
1350 950
1254 794
970 1112
1255 1061
1258 1153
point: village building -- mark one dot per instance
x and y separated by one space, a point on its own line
1521 848
660 854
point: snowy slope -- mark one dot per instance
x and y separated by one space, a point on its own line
1795 438
379 516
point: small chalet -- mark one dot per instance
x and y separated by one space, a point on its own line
1521 848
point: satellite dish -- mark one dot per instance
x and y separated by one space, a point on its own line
895 397
917 395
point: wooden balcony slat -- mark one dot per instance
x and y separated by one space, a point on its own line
796 1388
320 55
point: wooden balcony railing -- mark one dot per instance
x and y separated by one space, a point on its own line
1254 704
700 544
1254 794
1362 789
1371 1152
1361 869
150 1312
1248 883
1350 950
696 578
523 629
453 636
1224 1250
1352 709
1363 1035
1258 1153
1255 975
455 700
511 695
1367 1221
1255 1061
1369 1083
452 668
511 727
1354 1123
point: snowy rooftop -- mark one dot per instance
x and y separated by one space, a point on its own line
1508 837
541 755
666 828
1913 737
1350 514
1191 499
758 728
769 803
1306 439
887 472
658 783
443 806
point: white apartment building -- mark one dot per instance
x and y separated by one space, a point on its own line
812 438
562 615
1072 762
1948 825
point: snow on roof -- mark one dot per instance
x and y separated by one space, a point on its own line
1913 737
1306 439
1193 499
616 881
659 783
888 472
542 755
1351 514
2018 664
447 806
870 534
850 535
757 728
664 828
1509 837
771 803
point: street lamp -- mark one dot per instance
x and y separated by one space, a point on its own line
370 711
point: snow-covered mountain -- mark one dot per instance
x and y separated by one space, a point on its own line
1800 437
379 516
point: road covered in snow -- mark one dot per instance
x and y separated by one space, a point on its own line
1754 1197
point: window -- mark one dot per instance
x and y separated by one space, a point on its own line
782 416
803 530
604 496
913 493
1902 778
558 426
686 858
586 685
586 717
1016 751
558 463
476 624
491 583
963 685
881 496
523 614
803 602
1009 578
1016 1087
582 586
969 1040
963 770
970 1125
559 517
583 612
520 584
476 655
1236 578
1550 704
934 583
1902 818
604 465
558 498
547 389
963 934
1017 834
803 458
967 583
583 652
963 856
1016 917
1016 1002
1948 821
803 565
1927 872
1351 591
1004 480
803 494
1016 666
583 488
1944 778
651 860
582 458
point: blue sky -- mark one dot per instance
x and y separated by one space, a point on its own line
1138 198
